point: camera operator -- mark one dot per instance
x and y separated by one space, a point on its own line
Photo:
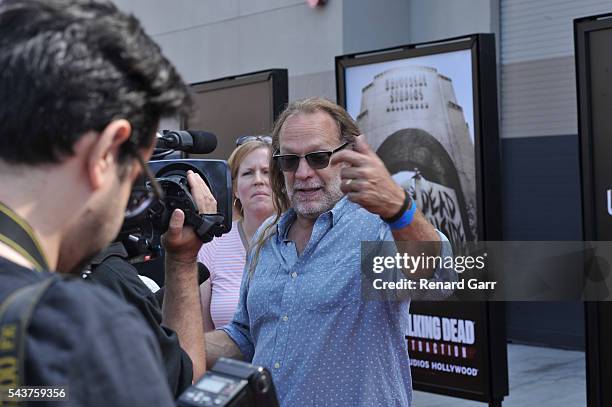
83 89
177 324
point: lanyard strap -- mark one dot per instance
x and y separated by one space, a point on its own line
18 235
16 313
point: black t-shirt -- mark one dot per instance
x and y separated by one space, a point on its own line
83 337
112 271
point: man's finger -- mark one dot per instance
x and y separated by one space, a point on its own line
197 184
352 173
176 224
361 145
350 185
201 193
347 156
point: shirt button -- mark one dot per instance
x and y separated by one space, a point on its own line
277 365
285 318
293 275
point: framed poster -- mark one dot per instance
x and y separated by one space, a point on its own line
237 105
593 41
430 112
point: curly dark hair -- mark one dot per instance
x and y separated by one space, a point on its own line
72 66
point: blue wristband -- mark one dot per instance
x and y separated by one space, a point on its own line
406 218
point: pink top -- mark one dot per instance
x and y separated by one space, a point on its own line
225 257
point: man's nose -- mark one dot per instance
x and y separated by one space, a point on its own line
303 170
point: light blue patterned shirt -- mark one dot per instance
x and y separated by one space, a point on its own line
302 317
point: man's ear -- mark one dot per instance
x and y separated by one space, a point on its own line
103 156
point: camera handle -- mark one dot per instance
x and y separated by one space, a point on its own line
206 226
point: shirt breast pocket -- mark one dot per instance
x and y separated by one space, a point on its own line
332 289
264 294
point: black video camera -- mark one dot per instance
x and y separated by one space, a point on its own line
141 234
231 383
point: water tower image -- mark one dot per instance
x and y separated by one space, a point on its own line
411 118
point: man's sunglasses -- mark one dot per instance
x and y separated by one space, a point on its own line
316 160
144 193
245 139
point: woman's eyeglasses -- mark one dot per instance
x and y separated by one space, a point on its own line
245 139
144 193
316 160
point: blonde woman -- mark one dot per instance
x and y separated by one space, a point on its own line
225 256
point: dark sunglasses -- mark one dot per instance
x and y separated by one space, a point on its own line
144 193
316 160
245 139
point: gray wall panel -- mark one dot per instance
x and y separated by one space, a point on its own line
538 85
316 84
298 38
209 39
439 19
161 16
389 19
260 6
538 98
544 28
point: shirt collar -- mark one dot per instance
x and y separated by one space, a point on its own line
342 207
284 222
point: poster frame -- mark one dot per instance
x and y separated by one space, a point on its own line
598 333
277 76
488 187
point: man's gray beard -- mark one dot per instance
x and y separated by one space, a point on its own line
330 199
